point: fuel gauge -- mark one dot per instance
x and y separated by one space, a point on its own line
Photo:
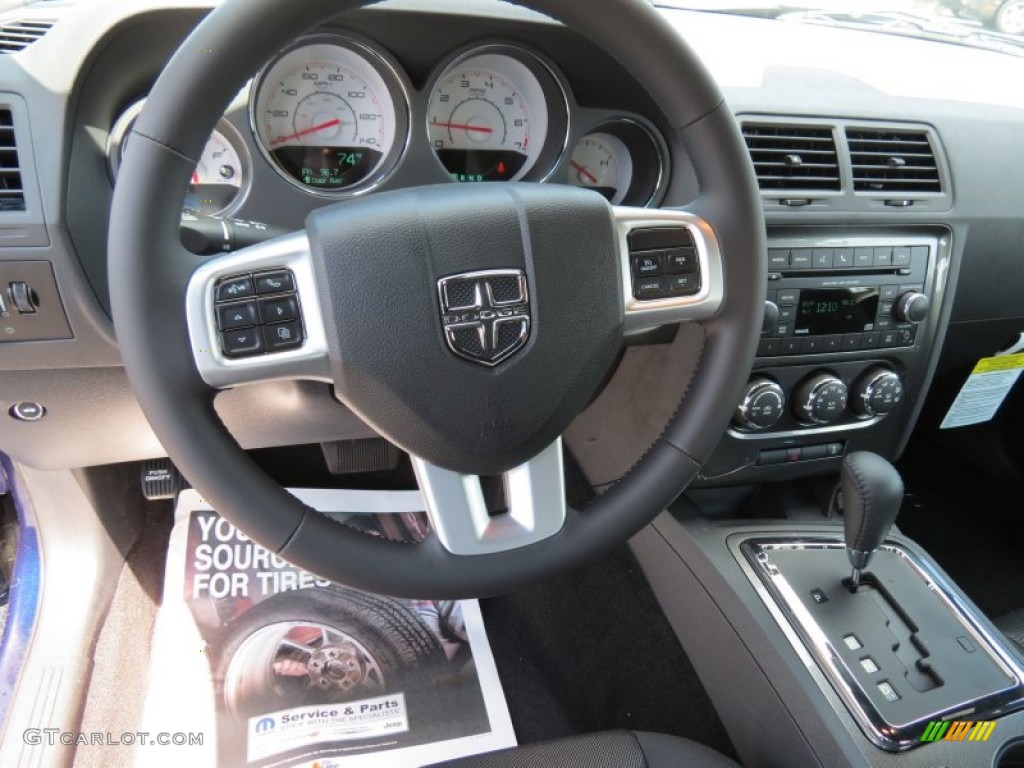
602 162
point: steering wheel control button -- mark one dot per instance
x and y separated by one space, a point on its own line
243 342
649 264
27 411
682 260
238 315
274 282
820 399
279 310
659 238
649 288
683 285
282 336
236 287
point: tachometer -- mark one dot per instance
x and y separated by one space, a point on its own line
487 118
330 115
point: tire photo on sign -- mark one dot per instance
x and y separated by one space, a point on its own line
336 670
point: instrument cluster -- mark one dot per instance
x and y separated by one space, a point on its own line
336 116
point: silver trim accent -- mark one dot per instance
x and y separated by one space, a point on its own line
458 515
643 315
518 53
387 70
309 361
806 432
122 126
814 648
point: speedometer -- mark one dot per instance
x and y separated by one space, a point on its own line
330 115
488 118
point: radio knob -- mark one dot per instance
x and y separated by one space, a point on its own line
912 307
761 406
771 316
820 399
877 392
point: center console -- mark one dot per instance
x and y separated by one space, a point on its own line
850 327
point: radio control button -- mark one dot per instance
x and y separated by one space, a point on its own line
791 346
843 258
801 258
912 307
885 308
863 257
768 348
833 343
778 258
787 298
787 314
820 399
901 256
888 339
823 258
883 257
813 345
871 340
905 335
888 292
852 342
883 322
784 329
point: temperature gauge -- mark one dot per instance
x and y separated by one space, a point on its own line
602 162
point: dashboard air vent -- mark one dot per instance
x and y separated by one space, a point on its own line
892 162
793 157
17 35
12 195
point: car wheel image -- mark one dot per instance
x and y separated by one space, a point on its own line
1010 18
317 646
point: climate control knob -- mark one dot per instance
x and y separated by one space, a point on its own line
820 399
877 392
912 307
761 406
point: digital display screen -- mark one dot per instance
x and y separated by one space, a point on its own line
824 311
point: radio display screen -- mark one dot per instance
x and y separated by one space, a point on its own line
824 311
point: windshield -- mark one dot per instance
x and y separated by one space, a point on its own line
991 24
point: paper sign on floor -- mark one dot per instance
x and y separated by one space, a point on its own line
277 667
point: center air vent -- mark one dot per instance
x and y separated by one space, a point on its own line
12 195
892 162
793 157
18 35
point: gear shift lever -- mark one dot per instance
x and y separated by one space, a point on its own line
872 493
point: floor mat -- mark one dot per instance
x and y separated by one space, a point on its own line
592 651
970 522
257 663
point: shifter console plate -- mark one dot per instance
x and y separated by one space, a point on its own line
901 651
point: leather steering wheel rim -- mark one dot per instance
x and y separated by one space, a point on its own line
150 269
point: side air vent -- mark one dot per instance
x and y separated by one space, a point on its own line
887 161
12 194
793 157
18 35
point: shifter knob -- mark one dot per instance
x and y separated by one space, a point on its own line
872 493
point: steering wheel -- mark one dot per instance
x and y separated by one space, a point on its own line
467 324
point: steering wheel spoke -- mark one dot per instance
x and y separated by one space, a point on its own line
671 267
535 496
254 315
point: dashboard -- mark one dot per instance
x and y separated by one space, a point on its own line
473 91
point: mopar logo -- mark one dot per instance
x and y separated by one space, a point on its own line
266 724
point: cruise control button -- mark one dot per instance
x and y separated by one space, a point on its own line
282 336
279 310
648 265
683 285
274 282
237 287
650 288
682 260
242 343
240 315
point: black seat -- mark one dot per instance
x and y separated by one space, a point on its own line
611 749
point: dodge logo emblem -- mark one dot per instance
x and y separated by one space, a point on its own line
486 315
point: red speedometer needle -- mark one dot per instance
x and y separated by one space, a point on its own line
311 129
582 169
478 128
